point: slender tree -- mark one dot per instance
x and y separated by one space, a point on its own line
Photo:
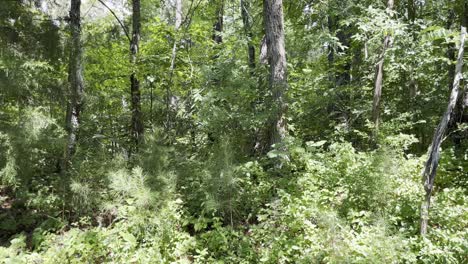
434 152
379 73
177 24
137 127
413 84
218 27
75 78
247 21
274 32
219 23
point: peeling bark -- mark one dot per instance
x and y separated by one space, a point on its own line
434 153
263 51
459 115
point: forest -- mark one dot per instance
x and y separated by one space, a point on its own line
233 131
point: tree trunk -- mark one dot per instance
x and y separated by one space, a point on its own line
219 24
217 38
411 8
464 18
459 112
75 78
177 24
218 28
462 116
434 153
465 94
379 75
450 53
331 52
413 84
178 14
137 128
343 76
263 58
247 21
274 31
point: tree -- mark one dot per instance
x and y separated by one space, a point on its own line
432 162
75 79
379 73
278 84
247 22
459 115
178 22
411 10
219 23
137 127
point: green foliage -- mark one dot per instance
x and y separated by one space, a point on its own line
144 237
201 188
8 173
29 149
319 215
131 187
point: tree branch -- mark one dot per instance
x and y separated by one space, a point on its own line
118 20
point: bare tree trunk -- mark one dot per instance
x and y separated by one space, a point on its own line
75 78
465 94
434 153
379 75
137 128
247 21
459 115
178 23
274 31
